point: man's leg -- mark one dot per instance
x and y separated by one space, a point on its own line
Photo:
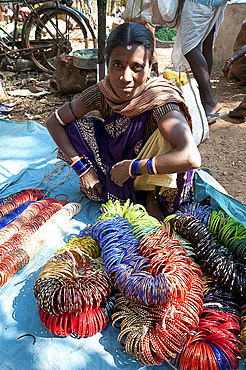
208 50
201 71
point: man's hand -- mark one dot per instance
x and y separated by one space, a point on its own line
226 69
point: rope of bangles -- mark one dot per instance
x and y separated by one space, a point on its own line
125 264
30 246
156 333
23 197
72 290
212 256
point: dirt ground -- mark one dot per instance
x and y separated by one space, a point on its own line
223 152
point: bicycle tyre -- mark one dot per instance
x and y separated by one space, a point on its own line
53 31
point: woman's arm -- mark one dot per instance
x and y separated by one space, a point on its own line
57 129
56 126
183 157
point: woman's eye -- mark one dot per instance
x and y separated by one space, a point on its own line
137 68
117 65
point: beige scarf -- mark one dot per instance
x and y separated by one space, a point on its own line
155 93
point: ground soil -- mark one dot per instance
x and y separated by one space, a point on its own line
223 152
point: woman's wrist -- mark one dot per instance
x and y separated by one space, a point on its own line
75 159
230 61
80 166
139 167
133 168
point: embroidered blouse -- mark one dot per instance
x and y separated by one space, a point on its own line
93 99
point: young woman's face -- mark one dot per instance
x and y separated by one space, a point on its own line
128 70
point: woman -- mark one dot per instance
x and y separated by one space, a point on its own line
143 135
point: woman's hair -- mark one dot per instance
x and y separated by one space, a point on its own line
127 34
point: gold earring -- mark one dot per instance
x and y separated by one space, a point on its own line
121 77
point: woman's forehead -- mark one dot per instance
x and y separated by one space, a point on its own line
137 52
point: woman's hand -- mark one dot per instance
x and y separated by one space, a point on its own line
120 172
226 69
90 184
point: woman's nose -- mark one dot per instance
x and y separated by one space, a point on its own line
127 74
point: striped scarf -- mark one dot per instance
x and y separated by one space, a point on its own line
156 92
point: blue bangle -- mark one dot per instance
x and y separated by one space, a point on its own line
150 166
79 167
134 168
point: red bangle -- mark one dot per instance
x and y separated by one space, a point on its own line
154 166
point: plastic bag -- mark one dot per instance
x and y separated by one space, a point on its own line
205 186
198 115
138 11
170 11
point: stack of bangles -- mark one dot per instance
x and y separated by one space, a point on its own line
151 167
79 167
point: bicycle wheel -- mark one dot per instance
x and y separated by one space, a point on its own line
52 31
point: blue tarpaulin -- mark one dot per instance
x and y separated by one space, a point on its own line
27 157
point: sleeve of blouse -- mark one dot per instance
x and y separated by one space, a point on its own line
92 98
159 112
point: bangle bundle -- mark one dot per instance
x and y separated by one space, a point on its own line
230 233
218 299
151 166
80 168
227 270
71 288
6 199
30 195
214 343
29 213
202 213
25 228
82 325
29 228
11 216
26 251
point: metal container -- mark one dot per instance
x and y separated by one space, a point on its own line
85 58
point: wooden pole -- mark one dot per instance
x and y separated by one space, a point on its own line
101 8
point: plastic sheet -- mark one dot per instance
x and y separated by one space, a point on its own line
27 157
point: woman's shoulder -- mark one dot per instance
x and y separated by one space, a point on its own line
93 98
93 89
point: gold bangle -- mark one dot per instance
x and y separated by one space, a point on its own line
230 61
